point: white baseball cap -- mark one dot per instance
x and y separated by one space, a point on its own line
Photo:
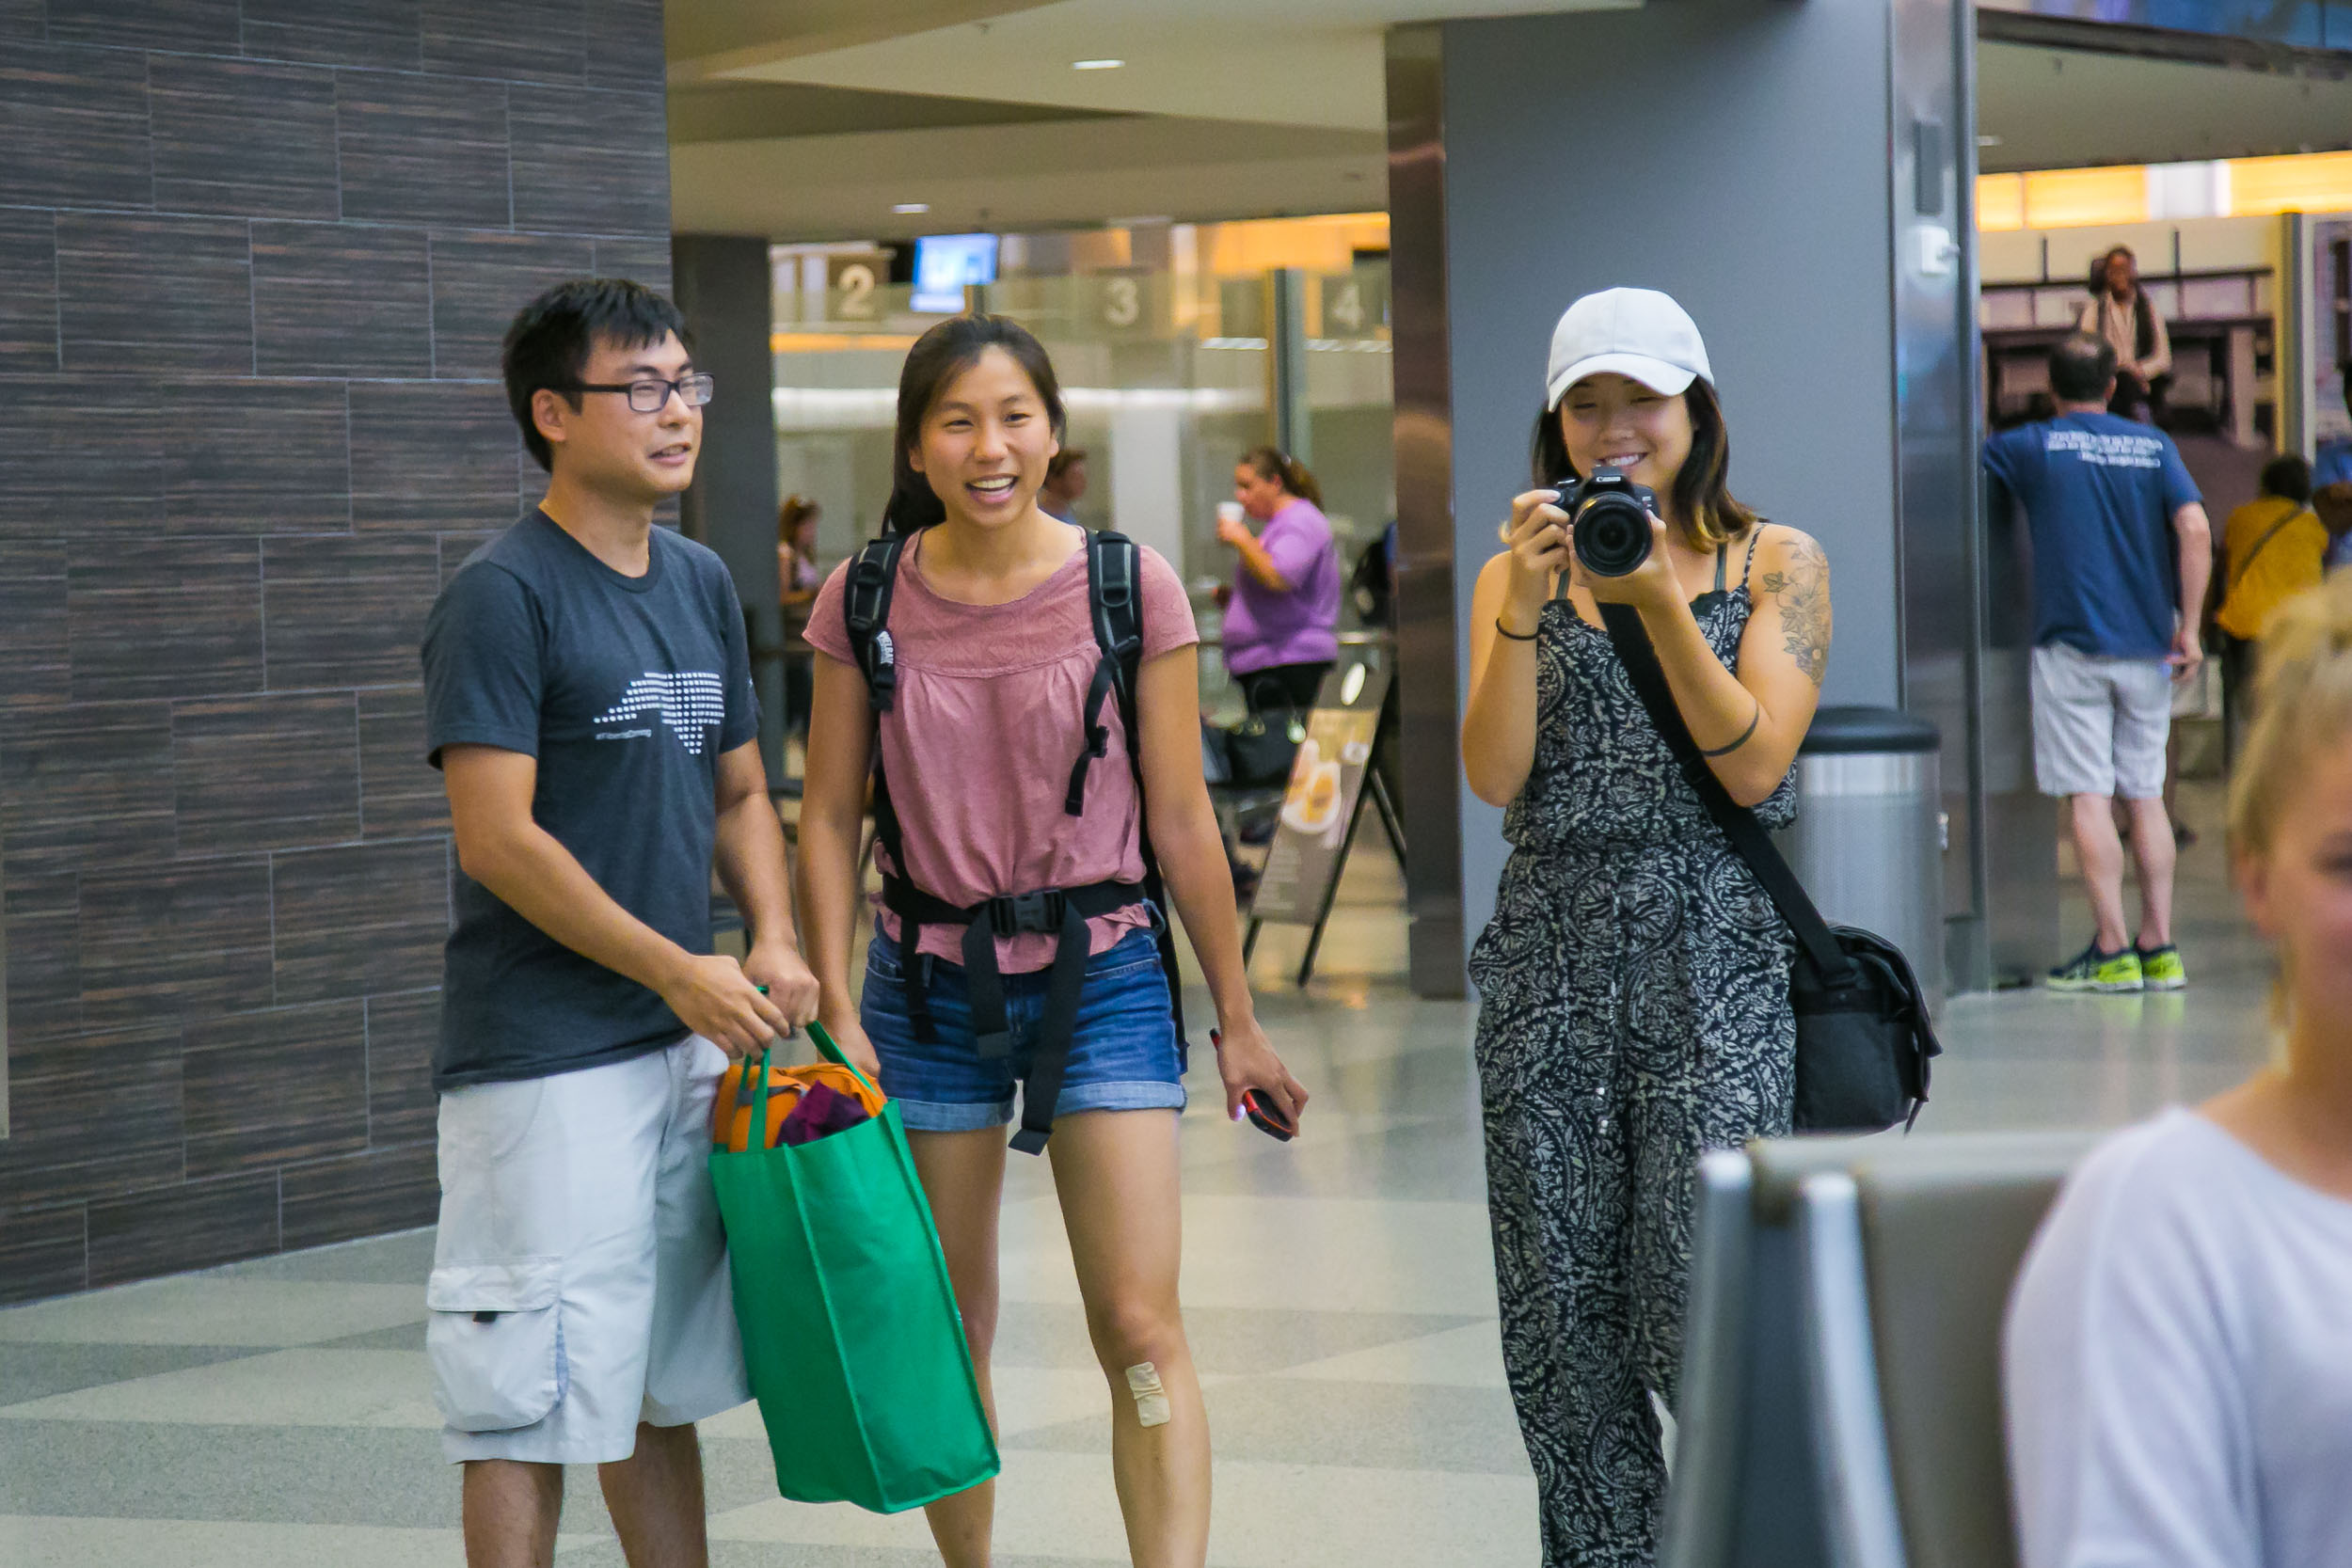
1639 333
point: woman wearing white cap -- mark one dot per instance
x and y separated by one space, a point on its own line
1634 980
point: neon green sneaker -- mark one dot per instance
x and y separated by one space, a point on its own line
2160 968
2093 971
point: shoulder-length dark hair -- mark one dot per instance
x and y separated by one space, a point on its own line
938 357
1289 472
1703 506
2096 283
2144 332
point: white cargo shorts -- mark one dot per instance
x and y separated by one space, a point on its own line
579 1276
2099 724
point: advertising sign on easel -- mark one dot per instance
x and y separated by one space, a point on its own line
1330 782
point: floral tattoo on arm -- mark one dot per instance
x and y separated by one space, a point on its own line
1801 586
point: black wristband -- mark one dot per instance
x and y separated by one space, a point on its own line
1514 635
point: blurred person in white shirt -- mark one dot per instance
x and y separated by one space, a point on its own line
2178 1364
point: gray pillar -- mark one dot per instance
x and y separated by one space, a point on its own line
1429 698
722 283
1732 154
1966 591
1286 362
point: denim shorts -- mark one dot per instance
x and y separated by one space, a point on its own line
1123 1055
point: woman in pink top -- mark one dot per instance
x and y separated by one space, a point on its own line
1283 617
993 654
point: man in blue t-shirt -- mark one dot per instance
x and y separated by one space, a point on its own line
588 701
2122 551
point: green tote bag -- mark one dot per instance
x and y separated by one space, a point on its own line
850 1332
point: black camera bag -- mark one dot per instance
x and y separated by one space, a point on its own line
1864 1035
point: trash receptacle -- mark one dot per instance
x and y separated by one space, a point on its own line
1868 843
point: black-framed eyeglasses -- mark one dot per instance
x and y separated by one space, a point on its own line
651 395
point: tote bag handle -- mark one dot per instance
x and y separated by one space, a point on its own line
832 1053
825 1048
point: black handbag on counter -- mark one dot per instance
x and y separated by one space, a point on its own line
1259 750
1864 1037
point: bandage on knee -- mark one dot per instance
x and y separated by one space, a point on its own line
1143 1382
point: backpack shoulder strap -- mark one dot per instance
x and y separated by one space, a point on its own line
1115 597
1113 603
865 607
1114 593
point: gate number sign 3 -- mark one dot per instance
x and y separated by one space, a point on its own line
1123 301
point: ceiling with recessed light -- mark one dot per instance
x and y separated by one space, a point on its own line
827 119
812 118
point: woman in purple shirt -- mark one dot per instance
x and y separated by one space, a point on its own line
1281 624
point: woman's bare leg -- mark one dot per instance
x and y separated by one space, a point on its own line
1115 1173
964 1177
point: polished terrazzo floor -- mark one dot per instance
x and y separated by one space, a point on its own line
1339 1296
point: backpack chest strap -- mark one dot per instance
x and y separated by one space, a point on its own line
1060 912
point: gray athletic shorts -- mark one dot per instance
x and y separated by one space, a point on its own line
2099 724
579 1277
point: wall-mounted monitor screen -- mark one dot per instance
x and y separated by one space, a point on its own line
944 263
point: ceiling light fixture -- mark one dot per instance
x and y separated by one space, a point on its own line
908 208
1096 65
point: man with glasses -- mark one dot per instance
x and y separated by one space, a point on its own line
589 703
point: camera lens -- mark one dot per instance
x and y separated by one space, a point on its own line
1611 534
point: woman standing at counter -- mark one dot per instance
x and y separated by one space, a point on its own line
1282 623
797 582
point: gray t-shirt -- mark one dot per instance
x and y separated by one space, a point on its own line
627 689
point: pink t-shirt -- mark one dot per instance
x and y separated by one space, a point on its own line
989 716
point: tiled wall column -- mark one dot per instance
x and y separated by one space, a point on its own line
725 288
255 259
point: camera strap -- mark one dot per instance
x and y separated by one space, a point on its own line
1747 836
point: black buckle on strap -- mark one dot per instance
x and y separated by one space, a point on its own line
1014 913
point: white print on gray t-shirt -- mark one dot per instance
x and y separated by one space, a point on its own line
2108 452
690 702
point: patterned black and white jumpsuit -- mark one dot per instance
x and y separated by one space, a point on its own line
1633 991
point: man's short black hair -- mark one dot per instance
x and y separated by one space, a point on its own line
2289 477
548 344
2081 368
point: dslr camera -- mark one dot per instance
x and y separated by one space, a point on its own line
1611 514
